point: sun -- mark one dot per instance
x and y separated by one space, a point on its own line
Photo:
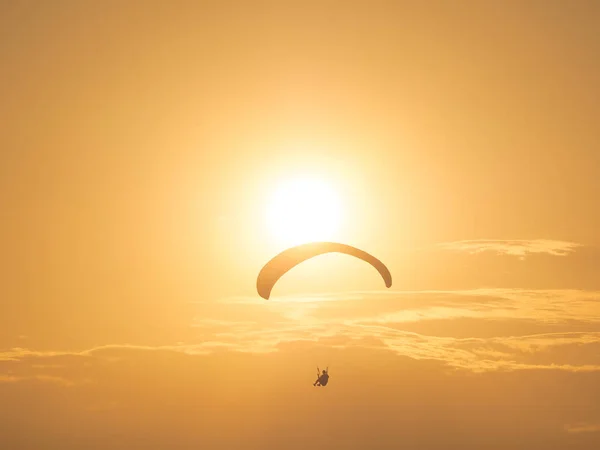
303 209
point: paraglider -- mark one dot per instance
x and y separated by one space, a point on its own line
288 259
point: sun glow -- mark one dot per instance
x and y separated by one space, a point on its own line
303 210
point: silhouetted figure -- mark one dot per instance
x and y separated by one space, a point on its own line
322 378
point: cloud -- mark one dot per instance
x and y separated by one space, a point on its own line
523 264
474 330
405 324
41 378
583 428
513 247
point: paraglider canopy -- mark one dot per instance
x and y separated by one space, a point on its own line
286 260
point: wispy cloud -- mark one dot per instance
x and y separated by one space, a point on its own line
381 319
583 428
514 247
42 378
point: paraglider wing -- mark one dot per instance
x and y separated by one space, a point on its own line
286 260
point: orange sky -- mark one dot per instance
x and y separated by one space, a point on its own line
141 145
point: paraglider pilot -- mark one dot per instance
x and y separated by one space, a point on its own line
322 378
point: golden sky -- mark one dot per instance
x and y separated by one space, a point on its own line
154 155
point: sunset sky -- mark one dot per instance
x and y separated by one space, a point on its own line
154 155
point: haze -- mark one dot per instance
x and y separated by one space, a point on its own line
154 155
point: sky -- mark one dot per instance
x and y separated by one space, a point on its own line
155 155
